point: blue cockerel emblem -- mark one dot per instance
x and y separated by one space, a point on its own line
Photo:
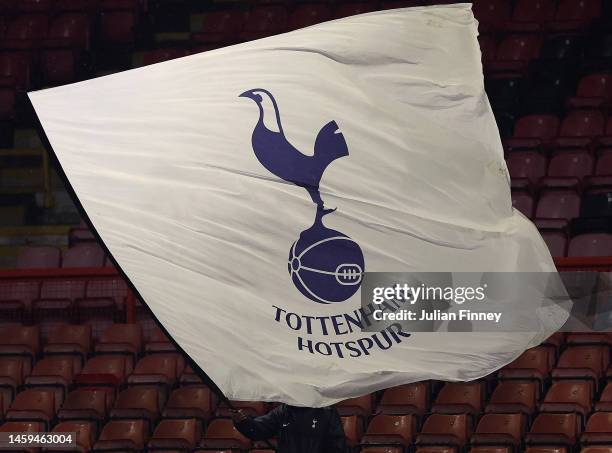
325 265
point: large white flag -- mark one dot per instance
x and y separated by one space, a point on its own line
244 191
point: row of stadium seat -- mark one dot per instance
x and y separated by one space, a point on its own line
157 405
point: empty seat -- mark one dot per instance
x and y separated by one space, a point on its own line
22 343
71 340
575 14
391 429
22 427
583 362
532 131
590 245
556 242
534 364
138 403
38 258
523 201
220 26
528 165
460 398
109 371
83 255
405 399
593 91
157 369
558 204
513 397
265 20
175 435
53 373
569 396
190 402
221 433
353 430
122 435
86 404
605 400
84 434
361 406
11 378
531 15
25 31
104 299
33 405
124 339
445 430
16 299
598 429
515 52
500 430
604 162
117 24
579 127
56 304
560 430
492 14
576 163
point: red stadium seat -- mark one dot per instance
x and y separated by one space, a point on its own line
561 430
16 298
446 431
83 255
265 20
515 52
502 430
598 429
528 165
180 435
108 371
221 433
575 14
576 163
15 73
52 373
220 26
556 241
593 244
43 6
38 257
307 14
531 15
460 398
523 201
190 402
86 404
20 343
579 128
70 30
361 406
70 340
11 378
56 303
534 364
123 339
33 405
8 99
492 15
594 91
583 362
405 399
558 204
157 369
25 31
569 396
84 434
23 427
513 397
138 403
122 435
533 131
391 429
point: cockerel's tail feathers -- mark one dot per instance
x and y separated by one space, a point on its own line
330 144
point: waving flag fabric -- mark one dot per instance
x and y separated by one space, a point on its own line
245 191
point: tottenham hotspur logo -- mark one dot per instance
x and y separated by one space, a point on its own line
325 265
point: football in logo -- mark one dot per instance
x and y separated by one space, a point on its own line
325 265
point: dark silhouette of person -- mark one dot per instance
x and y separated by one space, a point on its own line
297 429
